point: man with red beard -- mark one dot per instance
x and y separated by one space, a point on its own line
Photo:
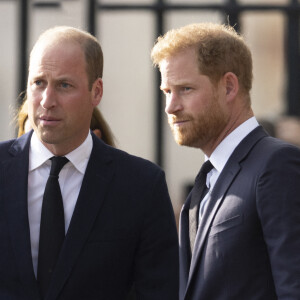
239 228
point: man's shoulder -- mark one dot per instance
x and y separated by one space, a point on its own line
6 145
270 152
14 146
122 160
273 144
130 160
259 140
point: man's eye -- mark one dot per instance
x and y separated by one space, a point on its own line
65 85
38 82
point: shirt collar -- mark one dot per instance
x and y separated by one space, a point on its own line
39 154
224 150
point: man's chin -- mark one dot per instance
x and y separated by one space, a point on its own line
46 137
183 141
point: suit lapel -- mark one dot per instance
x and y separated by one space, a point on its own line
184 245
221 187
92 194
13 185
214 203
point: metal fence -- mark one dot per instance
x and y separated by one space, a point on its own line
231 10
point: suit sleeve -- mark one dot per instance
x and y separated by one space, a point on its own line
156 264
278 204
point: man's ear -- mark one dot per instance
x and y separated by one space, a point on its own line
97 91
231 83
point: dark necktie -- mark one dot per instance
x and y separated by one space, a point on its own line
52 227
197 195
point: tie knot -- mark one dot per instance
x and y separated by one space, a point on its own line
206 167
57 164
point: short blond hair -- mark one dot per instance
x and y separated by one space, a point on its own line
220 49
89 44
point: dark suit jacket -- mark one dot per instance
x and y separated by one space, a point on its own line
122 231
248 242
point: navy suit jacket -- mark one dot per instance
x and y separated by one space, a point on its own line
248 244
122 231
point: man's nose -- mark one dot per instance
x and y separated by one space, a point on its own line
48 98
173 104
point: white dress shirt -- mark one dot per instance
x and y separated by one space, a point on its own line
221 155
70 180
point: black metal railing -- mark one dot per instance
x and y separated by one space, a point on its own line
231 10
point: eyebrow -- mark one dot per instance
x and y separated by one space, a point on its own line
179 84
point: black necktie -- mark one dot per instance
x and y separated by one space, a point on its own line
197 196
52 228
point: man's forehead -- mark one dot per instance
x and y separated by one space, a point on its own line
53 53
50 43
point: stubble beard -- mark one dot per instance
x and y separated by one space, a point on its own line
47 136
